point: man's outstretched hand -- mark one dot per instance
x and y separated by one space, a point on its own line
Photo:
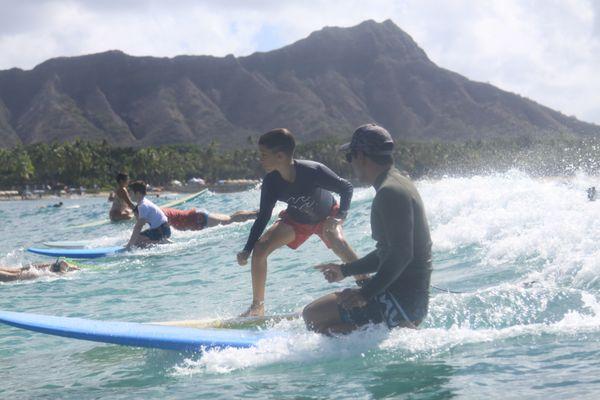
331 272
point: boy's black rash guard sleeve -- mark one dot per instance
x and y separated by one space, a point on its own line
329 180
268 198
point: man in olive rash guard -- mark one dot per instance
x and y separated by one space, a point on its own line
306 187
398 293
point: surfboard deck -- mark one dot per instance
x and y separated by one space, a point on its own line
77 253
69 244
135 334
172 203
230 323
101 222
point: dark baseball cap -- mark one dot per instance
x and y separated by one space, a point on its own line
370 139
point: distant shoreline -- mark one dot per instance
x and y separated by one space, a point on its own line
47 196
223 187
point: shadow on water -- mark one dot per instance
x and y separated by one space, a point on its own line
131 366
413 379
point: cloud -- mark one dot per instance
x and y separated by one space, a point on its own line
544 50
596 9
547 50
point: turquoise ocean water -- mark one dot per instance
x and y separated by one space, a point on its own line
525 251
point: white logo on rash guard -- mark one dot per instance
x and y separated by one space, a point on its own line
302 203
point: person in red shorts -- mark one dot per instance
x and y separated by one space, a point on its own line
195 220
306 187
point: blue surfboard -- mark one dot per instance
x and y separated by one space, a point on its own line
135 334
77 253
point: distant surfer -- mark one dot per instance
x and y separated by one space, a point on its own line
398 293
591 193
56 205
34 271
149 213
306 187
195 219
122 206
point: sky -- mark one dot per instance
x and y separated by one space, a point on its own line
546 50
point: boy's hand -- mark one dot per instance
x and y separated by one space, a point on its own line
331 272
331 223
242 257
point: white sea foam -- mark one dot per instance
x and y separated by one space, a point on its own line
515 219
305 347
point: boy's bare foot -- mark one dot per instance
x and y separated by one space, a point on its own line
255 310
241 216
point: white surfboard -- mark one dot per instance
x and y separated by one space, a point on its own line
69 244
230 323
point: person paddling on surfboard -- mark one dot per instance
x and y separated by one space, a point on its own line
34 271
122 206
149 213
195 220
305 186
56 205
398 293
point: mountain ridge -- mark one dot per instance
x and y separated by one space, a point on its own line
323 85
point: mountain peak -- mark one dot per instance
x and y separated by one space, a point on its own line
372 38
349 50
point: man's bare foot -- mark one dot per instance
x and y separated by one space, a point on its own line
255 310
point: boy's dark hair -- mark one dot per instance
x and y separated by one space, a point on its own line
121 177
381 159
279 140
138 187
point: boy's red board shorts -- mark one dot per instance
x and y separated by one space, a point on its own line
304 231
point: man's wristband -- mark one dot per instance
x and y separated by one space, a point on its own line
344 269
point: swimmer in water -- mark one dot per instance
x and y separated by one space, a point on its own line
57 205
591 193
33 271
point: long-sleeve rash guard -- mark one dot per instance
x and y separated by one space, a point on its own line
402 259
309 197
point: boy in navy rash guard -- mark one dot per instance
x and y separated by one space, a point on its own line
306 187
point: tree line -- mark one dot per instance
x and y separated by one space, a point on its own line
92 164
